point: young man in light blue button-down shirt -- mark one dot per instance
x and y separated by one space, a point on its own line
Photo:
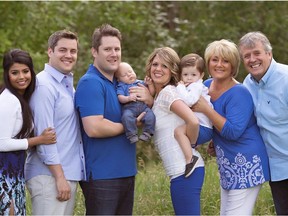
52 172
267 82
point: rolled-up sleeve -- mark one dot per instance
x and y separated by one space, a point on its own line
43 112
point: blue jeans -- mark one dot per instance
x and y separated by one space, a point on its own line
185 193
279 191
109 196
130 112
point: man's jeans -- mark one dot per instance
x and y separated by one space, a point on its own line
109 196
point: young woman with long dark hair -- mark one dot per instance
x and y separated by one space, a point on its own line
16 129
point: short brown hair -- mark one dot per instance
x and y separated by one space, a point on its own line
193 60
104 30
56 36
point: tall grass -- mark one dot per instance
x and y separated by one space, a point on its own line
152 195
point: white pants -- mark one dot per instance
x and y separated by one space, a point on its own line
239 202
43 195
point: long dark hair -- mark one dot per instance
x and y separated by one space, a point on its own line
21 57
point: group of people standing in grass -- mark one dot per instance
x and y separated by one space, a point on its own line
80 136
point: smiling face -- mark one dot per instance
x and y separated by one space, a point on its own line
220 68
19 77
160 73
64 56
256 59
108 56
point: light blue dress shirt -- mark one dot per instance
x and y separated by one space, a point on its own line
52 105
270 97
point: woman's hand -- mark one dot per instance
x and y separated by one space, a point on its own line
201 105
142 94
48 136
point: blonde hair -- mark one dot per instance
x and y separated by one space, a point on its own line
171 59
225 49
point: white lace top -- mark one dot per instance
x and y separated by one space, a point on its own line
164 141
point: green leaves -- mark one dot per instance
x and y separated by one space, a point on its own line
186 26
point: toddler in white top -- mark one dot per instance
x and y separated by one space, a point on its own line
190 88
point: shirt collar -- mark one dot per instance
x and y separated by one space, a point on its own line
267 75
57 75
93 69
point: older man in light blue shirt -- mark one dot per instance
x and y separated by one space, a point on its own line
52 172
267 82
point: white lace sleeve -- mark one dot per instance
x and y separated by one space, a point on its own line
167 96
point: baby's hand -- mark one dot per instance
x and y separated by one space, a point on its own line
180 82
186 84
132 97
148 80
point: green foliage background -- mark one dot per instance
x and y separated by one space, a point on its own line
186 26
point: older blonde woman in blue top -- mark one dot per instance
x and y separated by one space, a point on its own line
241 155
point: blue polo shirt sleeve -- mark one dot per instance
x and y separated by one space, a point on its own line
89 97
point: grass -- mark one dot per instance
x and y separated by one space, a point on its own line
152 195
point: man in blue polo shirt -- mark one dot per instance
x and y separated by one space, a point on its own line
110 158
267 82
